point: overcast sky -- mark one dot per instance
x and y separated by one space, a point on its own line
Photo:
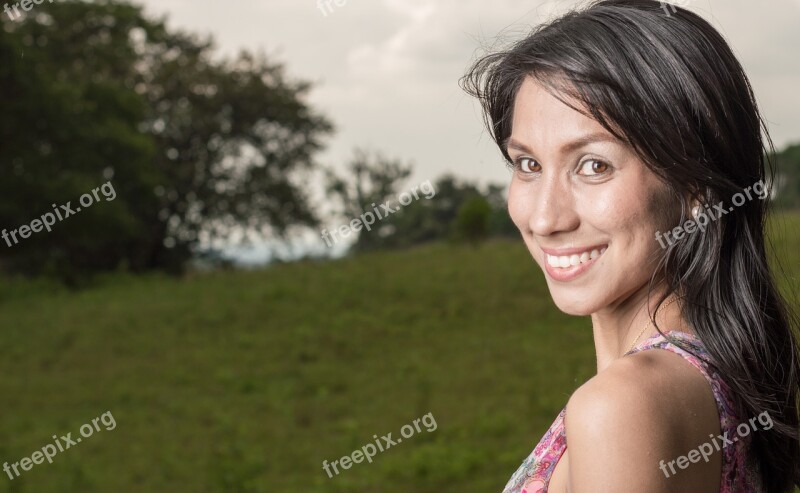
386 71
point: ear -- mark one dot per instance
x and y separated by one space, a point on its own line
695 198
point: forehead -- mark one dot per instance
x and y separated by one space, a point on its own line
542 119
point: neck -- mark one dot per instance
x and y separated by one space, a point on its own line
619 325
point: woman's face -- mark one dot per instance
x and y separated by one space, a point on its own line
586 206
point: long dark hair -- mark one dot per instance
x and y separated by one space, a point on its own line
671 88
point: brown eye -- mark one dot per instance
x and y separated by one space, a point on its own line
592 167
527 165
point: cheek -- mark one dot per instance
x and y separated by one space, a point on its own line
629 217
613 207
601 210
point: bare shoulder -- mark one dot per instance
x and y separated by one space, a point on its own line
642 409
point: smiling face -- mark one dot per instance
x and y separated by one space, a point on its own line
587 207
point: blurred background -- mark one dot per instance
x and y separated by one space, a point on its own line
226 305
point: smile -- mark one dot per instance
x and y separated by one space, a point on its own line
564 261
569 263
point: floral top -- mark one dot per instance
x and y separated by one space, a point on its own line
533 476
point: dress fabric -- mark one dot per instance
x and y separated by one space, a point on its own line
533 476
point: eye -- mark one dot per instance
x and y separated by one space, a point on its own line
526 165
593 167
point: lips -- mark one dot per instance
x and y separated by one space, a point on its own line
568 263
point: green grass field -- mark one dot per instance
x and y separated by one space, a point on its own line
247 381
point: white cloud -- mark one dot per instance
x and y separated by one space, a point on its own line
387 70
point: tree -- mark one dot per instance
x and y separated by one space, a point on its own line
472 222
787 177
500 223
199 149
68 124
372 180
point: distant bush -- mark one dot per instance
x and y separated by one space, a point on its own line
472 222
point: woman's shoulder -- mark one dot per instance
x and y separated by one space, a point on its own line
660 385
643 408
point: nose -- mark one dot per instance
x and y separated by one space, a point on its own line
553 205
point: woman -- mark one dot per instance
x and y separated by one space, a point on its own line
639 187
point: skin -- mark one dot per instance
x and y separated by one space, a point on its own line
575 185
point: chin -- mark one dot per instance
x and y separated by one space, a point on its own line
572 303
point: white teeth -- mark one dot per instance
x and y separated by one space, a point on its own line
565 261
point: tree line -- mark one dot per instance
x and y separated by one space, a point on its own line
199 149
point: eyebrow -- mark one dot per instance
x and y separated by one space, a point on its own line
510 143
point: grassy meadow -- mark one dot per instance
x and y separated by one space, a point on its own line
246 381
